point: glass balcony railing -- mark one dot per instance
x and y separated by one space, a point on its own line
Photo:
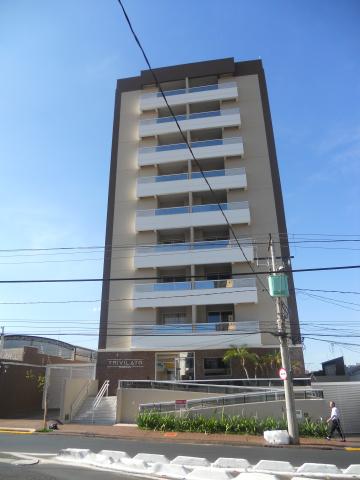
208 207
176 328
196 285
191 116
200 144
187 247
186 176
182 91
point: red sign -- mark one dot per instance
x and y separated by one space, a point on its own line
283 373
180 404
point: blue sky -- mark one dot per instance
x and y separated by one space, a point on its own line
59 62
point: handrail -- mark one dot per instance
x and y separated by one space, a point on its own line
198 284
104 389
234 399
190 116
214 86
198 328
198 208
235 385
197 245
223 172
79 399
189 386
195 144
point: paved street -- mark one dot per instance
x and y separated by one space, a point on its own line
53 443
55 472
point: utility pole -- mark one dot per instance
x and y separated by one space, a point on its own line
2 340
292 423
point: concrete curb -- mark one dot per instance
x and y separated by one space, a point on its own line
206 441
194 468
17 430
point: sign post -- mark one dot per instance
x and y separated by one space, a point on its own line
180 405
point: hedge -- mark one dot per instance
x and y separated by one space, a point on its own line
152 420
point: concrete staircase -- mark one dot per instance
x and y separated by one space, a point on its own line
104 414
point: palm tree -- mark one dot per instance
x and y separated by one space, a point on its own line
242 354
275 360
267 361
256 360
296 366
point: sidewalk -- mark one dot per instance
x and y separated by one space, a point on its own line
131 432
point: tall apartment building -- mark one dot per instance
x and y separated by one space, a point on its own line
187 305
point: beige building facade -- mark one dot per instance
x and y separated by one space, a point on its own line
187 291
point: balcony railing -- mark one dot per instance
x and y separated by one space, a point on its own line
199 144
187 247
181 91
208 207
191 116
196 285
186 176
196 328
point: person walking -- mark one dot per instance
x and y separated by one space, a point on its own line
334 419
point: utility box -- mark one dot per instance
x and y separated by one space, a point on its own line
278 285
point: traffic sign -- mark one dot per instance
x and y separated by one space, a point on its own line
283 373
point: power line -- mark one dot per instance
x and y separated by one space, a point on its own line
36 302
329 291
125 299
329 300
121 279
63 250
189 146
155 254
332 299
202 334
334 342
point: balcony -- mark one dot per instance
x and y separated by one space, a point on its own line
203 292
184 182
205 93
194 216
195 121
197 253
161 154
174 337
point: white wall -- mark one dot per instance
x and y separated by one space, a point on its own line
129 400
346 395
72 389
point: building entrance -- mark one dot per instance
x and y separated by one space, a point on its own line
174 366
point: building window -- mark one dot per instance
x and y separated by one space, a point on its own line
173 318
219 317
216 366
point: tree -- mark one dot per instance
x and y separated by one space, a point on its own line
276 360
257 362
266 361
270 362
42 386
242 354
296 366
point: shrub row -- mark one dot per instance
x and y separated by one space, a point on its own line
152 420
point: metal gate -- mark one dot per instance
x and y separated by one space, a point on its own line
56 375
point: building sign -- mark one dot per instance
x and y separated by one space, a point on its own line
125 362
